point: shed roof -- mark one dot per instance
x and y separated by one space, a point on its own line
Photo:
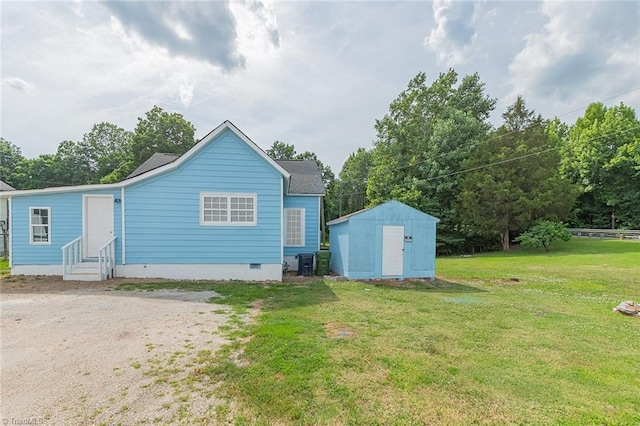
390 208
305 177
6 187
158 159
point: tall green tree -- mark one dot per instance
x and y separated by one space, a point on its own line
10 160
281 151
422 145
158 132
105 148
352 185
602 155
70 166
63 168
513 178
39 172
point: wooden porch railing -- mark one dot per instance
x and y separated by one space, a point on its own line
71 255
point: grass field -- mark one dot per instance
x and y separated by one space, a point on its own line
4 266
525 337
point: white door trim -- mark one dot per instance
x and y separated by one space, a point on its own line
392 250
85 220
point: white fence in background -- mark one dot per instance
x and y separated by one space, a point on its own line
620 234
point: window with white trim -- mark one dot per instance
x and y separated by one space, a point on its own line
222 209
40 225
294 227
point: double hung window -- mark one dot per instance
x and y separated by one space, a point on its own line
40 225
223 209
294 227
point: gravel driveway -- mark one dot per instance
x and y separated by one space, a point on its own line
85 354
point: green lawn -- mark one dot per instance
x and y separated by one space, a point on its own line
4 266
519 338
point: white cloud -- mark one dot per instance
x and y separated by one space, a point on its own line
77 8
585 52
454 33
21 85
258 36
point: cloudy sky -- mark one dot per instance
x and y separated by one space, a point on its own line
314 74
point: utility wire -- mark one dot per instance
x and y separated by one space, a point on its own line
531 154
603 100
536 124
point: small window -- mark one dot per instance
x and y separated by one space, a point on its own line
218 209
294 227
40 225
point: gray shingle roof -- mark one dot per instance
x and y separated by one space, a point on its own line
156 160
6 187
305 176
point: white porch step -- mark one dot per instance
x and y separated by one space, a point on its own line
81 277
87 267
84 271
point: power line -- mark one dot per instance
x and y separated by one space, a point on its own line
536 124
602 100
531 154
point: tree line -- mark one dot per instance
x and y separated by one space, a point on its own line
105 154
435 150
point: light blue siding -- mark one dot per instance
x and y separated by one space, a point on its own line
65 225
311 206
163 214
161 220
339 246
356 243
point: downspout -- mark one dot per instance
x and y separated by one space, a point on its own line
9 230
282 221
323 223
122 220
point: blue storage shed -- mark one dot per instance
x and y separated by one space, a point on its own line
391 240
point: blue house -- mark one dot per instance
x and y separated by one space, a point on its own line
222 210
391 240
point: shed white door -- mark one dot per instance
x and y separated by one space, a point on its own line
98 223
392 250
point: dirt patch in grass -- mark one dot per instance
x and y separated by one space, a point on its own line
395 283
336 330
22 284
512 280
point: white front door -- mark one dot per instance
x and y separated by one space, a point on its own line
392 250
98 223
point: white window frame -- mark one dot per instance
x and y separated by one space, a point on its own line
228 196
32 225
302 226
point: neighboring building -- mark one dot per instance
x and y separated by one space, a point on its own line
4 218
391 240
222 210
